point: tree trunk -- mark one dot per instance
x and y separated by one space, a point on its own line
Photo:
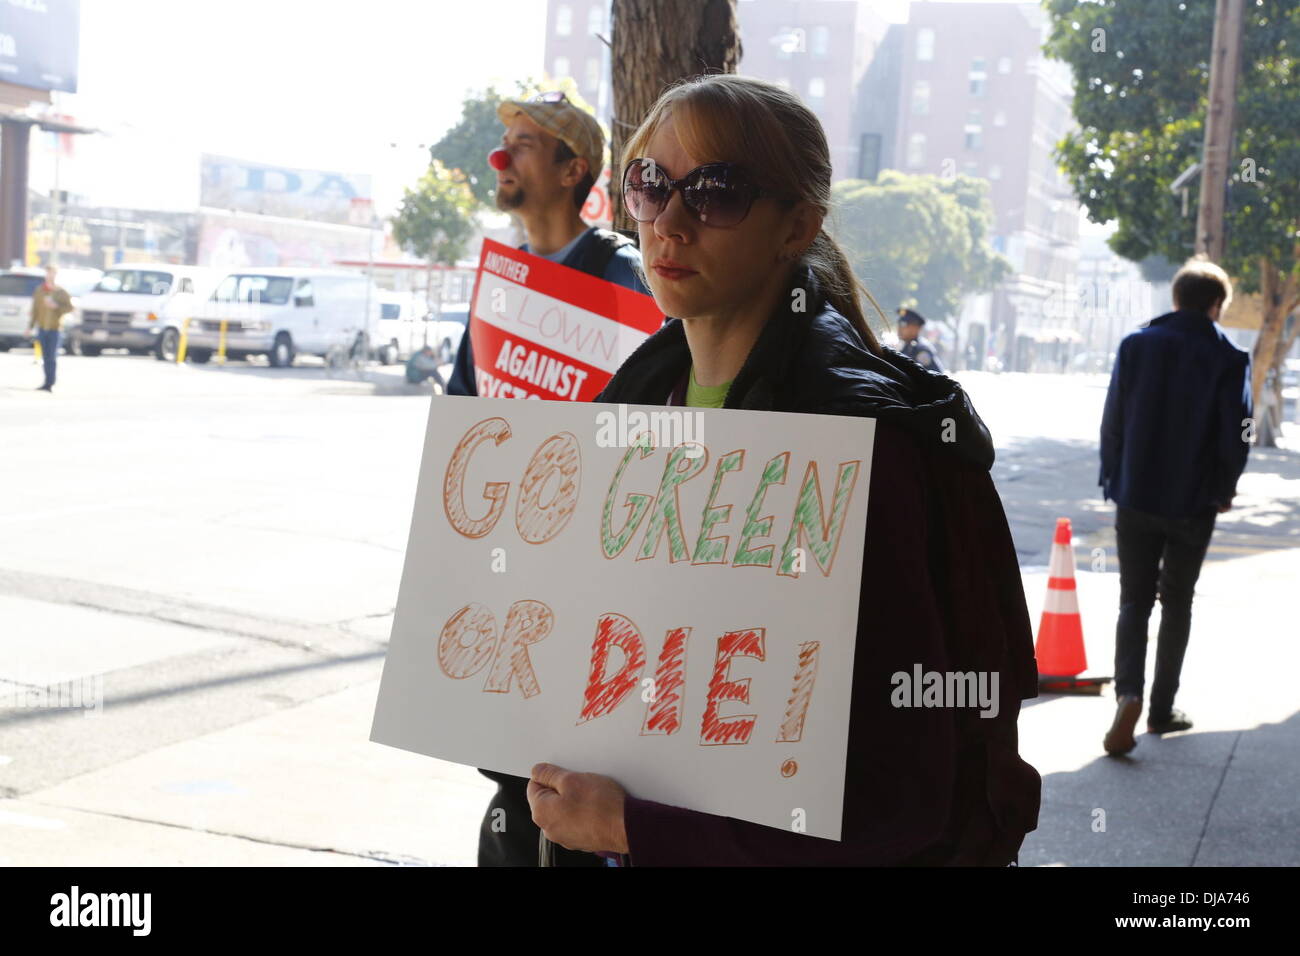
654 44
1278 296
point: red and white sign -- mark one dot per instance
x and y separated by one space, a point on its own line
543 330
597 210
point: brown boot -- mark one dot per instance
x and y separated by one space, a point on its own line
1119 739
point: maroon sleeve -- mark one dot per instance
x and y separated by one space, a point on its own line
901 761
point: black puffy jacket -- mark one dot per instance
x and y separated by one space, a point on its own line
941 585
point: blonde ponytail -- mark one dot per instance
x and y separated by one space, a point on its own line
841 286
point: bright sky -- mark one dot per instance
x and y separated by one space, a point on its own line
311 83
321 84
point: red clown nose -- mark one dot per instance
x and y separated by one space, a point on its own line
499 158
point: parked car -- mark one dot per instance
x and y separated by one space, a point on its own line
446 329
16 288
282 313
400 331
141 308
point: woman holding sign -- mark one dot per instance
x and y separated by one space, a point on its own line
729 179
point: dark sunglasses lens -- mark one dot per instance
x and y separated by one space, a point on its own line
718 197
644 191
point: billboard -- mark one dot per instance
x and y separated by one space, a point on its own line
38 43
246 186
232 241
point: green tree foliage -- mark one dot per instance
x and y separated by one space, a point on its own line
1141 75
435 220
466 145
919 241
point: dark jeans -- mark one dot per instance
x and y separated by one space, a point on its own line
49 339
1157 556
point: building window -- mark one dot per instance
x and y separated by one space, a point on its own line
978 76
1000 118
816 88
995 172
869 157
561 67
925 44
974 130
821 41
971 169
593 74
1004 64
788 40
595 19
921 98
563 20
916 150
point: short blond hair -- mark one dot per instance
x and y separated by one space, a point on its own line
1199 284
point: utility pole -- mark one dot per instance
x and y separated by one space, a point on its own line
1225 64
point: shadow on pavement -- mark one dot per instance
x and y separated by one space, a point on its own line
1224 798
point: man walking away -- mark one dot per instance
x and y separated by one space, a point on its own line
1174 441
50 304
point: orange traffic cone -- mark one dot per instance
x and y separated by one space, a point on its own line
1059 649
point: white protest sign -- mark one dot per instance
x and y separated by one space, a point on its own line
677 610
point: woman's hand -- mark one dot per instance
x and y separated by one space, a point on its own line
579 811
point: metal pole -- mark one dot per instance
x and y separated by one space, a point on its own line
58 205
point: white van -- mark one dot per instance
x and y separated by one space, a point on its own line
447 328
16 288
141 307
281 313
401 329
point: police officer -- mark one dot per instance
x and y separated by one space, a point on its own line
914 347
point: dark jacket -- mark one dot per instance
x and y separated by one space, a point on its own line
1171 434
940 587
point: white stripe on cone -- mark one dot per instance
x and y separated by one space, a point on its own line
1061 564
1061 601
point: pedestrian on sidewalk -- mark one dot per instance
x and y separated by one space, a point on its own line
729 180
50 303
1174 439
913 344
424 365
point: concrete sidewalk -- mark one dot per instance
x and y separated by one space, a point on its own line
304 786
301 787
1227 792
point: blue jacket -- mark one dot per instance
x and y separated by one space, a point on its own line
1171 434
621 270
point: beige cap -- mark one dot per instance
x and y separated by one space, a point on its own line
566 122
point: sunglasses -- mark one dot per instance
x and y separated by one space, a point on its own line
717 194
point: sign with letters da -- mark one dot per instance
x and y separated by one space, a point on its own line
668 596
543 330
